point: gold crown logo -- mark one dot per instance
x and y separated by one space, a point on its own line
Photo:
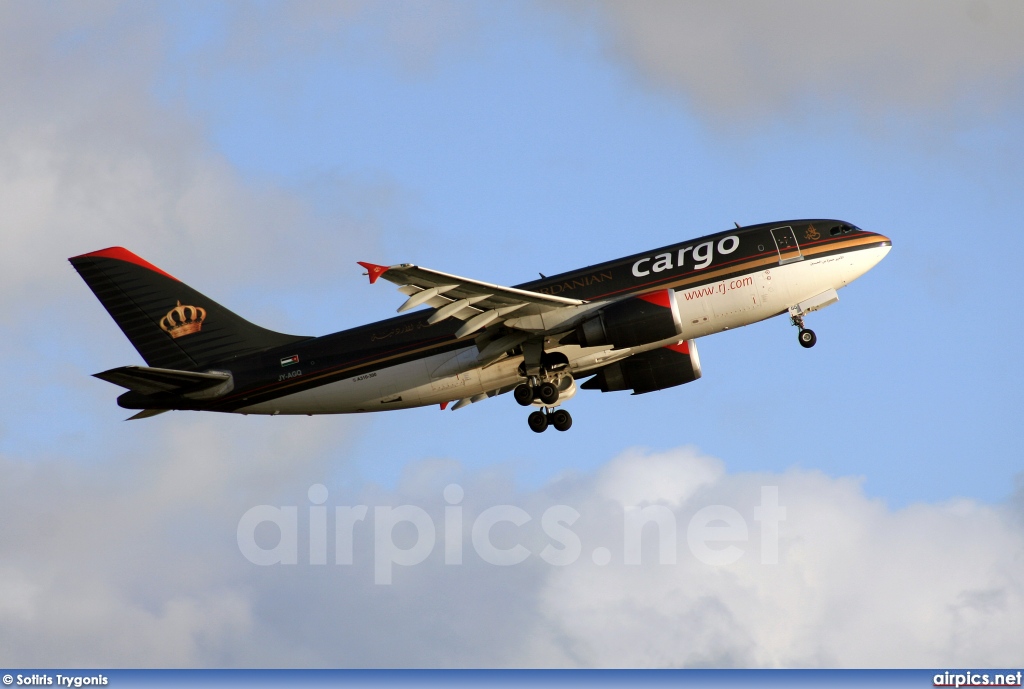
183 320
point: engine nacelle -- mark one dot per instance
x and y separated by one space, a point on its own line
657 369
632 322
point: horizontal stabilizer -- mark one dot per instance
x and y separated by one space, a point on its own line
151 381
146 413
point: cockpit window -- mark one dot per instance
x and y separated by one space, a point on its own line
844 229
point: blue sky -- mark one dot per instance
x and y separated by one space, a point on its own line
523 150
257 151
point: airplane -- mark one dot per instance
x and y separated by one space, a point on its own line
628 324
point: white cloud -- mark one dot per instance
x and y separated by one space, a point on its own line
857 585
90 157
737 60
131 561
669 477
147 543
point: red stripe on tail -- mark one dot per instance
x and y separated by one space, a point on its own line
119 253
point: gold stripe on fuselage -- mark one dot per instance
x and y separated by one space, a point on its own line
768 259
752 265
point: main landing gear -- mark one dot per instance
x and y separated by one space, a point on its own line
547 383
806 336
548 394
540 420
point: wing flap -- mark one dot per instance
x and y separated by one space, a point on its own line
466 401
436 301
456 288
476 302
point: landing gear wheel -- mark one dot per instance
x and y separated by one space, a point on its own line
807 338
538 421
548 393
523 394
561 420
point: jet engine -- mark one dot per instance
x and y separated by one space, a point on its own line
657 369
632 322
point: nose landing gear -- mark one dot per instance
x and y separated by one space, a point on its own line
806 336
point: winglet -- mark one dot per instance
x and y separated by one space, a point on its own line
373 270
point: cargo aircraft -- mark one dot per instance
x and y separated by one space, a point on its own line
628 324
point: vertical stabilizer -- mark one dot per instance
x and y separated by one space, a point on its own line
169 323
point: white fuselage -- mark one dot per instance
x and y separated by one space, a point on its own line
704 310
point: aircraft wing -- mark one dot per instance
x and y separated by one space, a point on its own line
477 303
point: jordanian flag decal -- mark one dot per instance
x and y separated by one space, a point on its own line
289 360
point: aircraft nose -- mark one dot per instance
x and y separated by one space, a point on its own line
882 246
